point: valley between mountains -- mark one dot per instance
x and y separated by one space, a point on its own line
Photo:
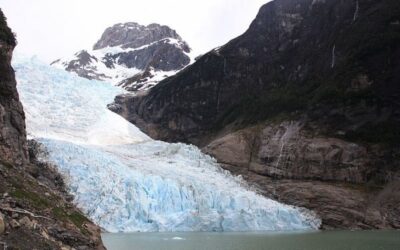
292 126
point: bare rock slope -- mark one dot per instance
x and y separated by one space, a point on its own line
13 147
35 210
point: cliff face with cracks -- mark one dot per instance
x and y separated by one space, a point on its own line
13 147
350 185
35 210
304 104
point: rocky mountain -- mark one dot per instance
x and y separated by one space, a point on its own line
305 105
133 56
13 147
35 210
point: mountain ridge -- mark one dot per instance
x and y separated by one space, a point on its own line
133 56
306 96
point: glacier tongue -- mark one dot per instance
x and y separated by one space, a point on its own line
127 182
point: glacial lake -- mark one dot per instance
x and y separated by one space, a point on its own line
326 240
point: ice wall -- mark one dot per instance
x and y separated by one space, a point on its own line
127 182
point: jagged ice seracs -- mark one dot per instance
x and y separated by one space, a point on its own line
127 182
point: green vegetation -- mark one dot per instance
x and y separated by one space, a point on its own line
276 102
78 219
31 197
367 188
6 164
290 101
75 217
362 54
284 101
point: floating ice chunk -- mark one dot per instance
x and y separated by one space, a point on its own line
177 238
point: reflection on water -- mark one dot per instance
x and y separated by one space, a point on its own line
334 240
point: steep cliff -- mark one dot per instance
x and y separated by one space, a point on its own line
350 185
131 55
308 95
13 147
35 210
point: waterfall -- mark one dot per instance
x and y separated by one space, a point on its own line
356 11
333 56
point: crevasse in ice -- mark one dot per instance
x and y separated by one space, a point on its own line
127 182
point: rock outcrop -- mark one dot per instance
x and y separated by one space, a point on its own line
13 147
308 95
291 150
133 35
134 56
344 182
35 210
304 56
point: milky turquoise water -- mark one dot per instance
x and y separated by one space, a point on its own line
334 240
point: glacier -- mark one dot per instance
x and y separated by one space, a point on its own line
127 182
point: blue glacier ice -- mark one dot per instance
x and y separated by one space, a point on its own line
125 181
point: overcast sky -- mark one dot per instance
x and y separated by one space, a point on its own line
57 28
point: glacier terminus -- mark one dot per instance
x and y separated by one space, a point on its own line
127 182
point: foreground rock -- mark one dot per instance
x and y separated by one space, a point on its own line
35 210
12 118
304 104
2 224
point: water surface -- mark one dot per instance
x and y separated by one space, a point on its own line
334 240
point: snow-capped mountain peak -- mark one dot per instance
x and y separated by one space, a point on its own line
131 55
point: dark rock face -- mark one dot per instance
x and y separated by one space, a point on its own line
137 82
82 66
133 35
160 55
127 48
314 57
291 150
13 147
304 105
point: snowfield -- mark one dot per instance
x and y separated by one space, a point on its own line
125 181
